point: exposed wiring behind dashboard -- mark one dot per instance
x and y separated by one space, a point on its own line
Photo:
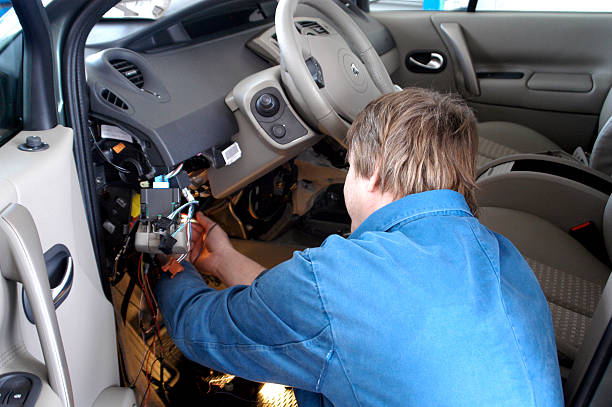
104 157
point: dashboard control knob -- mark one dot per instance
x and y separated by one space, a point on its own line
279 131
267 105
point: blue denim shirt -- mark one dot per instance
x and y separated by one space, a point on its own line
420 306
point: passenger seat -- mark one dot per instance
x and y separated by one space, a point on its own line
576 284
498 139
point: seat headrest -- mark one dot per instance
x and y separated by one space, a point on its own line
601 156
606 111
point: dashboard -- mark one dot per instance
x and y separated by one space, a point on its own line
195 82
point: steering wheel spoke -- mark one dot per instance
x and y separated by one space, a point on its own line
303 44
327 78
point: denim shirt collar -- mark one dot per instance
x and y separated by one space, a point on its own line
411 207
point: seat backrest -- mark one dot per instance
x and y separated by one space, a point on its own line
606 111
601 156
585 363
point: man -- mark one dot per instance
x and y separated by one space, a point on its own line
420 306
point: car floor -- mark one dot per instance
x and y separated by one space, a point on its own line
186 382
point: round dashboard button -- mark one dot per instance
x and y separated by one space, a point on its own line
279 131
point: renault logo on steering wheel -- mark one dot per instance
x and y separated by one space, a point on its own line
355 70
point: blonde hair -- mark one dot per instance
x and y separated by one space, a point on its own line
419 140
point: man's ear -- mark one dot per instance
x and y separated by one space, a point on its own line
373 181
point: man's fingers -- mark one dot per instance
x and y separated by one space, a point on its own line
204 220
196 229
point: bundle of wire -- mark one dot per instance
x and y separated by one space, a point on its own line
147 294
175 171
186 224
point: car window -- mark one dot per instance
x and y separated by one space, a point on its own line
448 5
545 5
11 60
141 9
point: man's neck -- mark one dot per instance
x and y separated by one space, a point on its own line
375 201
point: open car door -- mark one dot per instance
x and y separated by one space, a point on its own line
57 346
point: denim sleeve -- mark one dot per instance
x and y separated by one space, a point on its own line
274 330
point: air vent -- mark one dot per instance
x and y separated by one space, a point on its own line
113 99
311 28
129 70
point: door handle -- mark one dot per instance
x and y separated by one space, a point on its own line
435 62
425 61
60 266
22 261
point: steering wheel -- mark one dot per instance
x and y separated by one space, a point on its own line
348 71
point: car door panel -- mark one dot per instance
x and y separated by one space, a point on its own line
23 262
45 182
413 31
544 44
548 71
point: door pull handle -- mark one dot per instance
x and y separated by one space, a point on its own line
435 62
58 293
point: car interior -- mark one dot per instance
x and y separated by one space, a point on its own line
239 109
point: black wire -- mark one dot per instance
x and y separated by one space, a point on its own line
144 396
206 237
95 143
114 279
208 233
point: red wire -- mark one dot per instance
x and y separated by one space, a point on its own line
148 391
148 293
150 298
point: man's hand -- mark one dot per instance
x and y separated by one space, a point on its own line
208 245
213 253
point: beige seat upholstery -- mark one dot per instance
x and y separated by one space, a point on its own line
499 139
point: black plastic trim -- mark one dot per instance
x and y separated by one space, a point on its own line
39 113
32 397
284 118
146 39
565 171
500 75
595 371
364 5
471 7
77 108
134 41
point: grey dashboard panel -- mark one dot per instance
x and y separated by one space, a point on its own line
108 31
180 109
266 45
187 113
177 28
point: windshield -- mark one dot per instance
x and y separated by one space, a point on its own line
9 23
148 9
